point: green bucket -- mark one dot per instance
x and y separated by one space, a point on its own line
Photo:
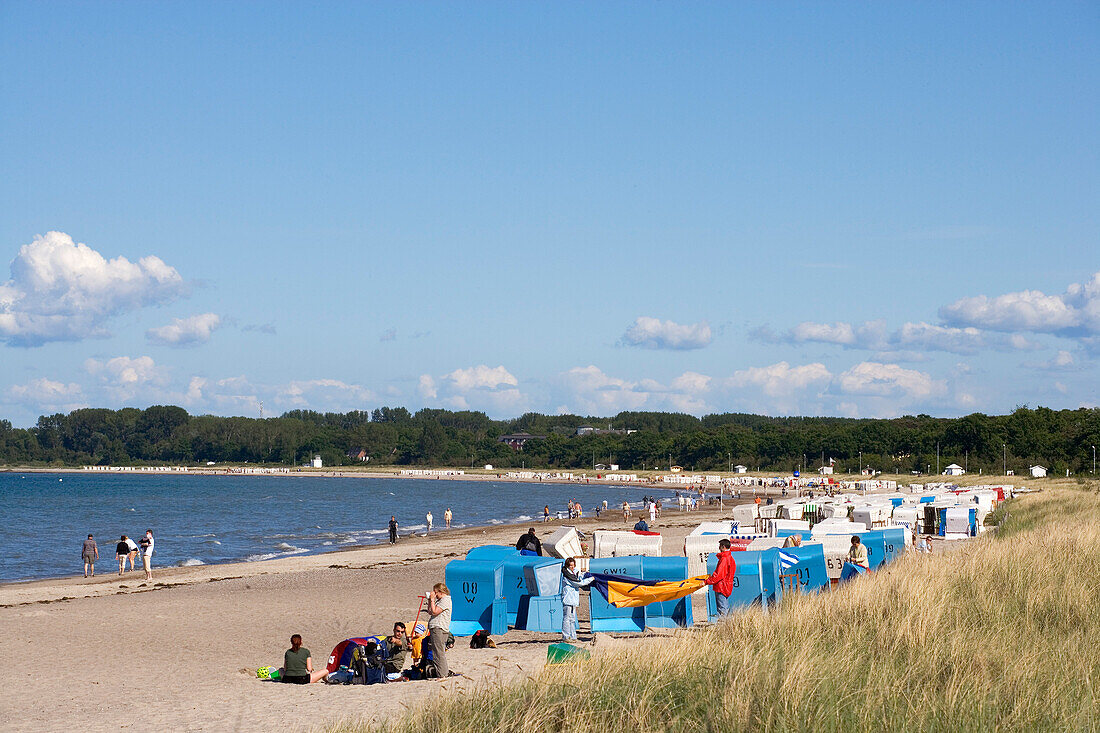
561 652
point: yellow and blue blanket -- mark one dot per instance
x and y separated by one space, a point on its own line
622 591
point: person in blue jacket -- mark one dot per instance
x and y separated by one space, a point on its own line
571 584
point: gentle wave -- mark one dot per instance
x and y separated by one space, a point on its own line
190 562
273 555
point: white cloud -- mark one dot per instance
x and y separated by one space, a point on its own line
481 377
123 377
587 390
653 333
64 291
493 390
908 340
322 395
426 387
875 379
1075 313
780 379
835 333
46 394
185 331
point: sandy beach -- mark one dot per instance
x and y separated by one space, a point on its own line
180 653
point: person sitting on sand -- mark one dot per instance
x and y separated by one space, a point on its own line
857 554
924 545
641 526
398 646
529 542
297 666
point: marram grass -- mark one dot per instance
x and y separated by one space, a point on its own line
1002 634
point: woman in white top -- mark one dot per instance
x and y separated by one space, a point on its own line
571 585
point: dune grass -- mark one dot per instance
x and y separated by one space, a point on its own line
1002 634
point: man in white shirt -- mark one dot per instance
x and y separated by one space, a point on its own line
147 553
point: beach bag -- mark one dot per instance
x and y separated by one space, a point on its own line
367 665
479 640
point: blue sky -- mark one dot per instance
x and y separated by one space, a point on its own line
866 209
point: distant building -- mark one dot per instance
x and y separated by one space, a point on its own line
740 469
1038 472
589 430
358 454
317 462
954 470
825 470
515 441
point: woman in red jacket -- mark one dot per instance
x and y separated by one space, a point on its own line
722 578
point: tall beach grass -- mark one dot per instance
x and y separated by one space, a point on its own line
1001 634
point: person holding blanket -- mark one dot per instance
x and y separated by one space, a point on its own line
571 584
722 578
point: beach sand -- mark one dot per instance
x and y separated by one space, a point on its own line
181 653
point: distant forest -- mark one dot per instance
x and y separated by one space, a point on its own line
1059 440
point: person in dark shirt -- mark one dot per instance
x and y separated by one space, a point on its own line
122 549
641 526
529 542
90 554
393 530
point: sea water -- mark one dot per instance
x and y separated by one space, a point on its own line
201 520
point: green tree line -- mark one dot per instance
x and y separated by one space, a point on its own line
1060 440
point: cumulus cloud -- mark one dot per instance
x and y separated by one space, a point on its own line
492 389
124 377
64 291
653 333
780 379
908 340
875 379
48 395
1075 313
309 393
185 331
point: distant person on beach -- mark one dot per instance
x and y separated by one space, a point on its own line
133 553
297 666
147 553
722 578
428 517
439 626
641 526
653 511
571 585
529 542
447 516
90 554
546 513
626 512
121 551
393 530
857 554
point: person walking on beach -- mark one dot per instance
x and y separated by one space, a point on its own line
133 553
546 514
428 517
626 512
439 626
393 530
571 585
447 516
722 578
147 553
121 551
90 553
